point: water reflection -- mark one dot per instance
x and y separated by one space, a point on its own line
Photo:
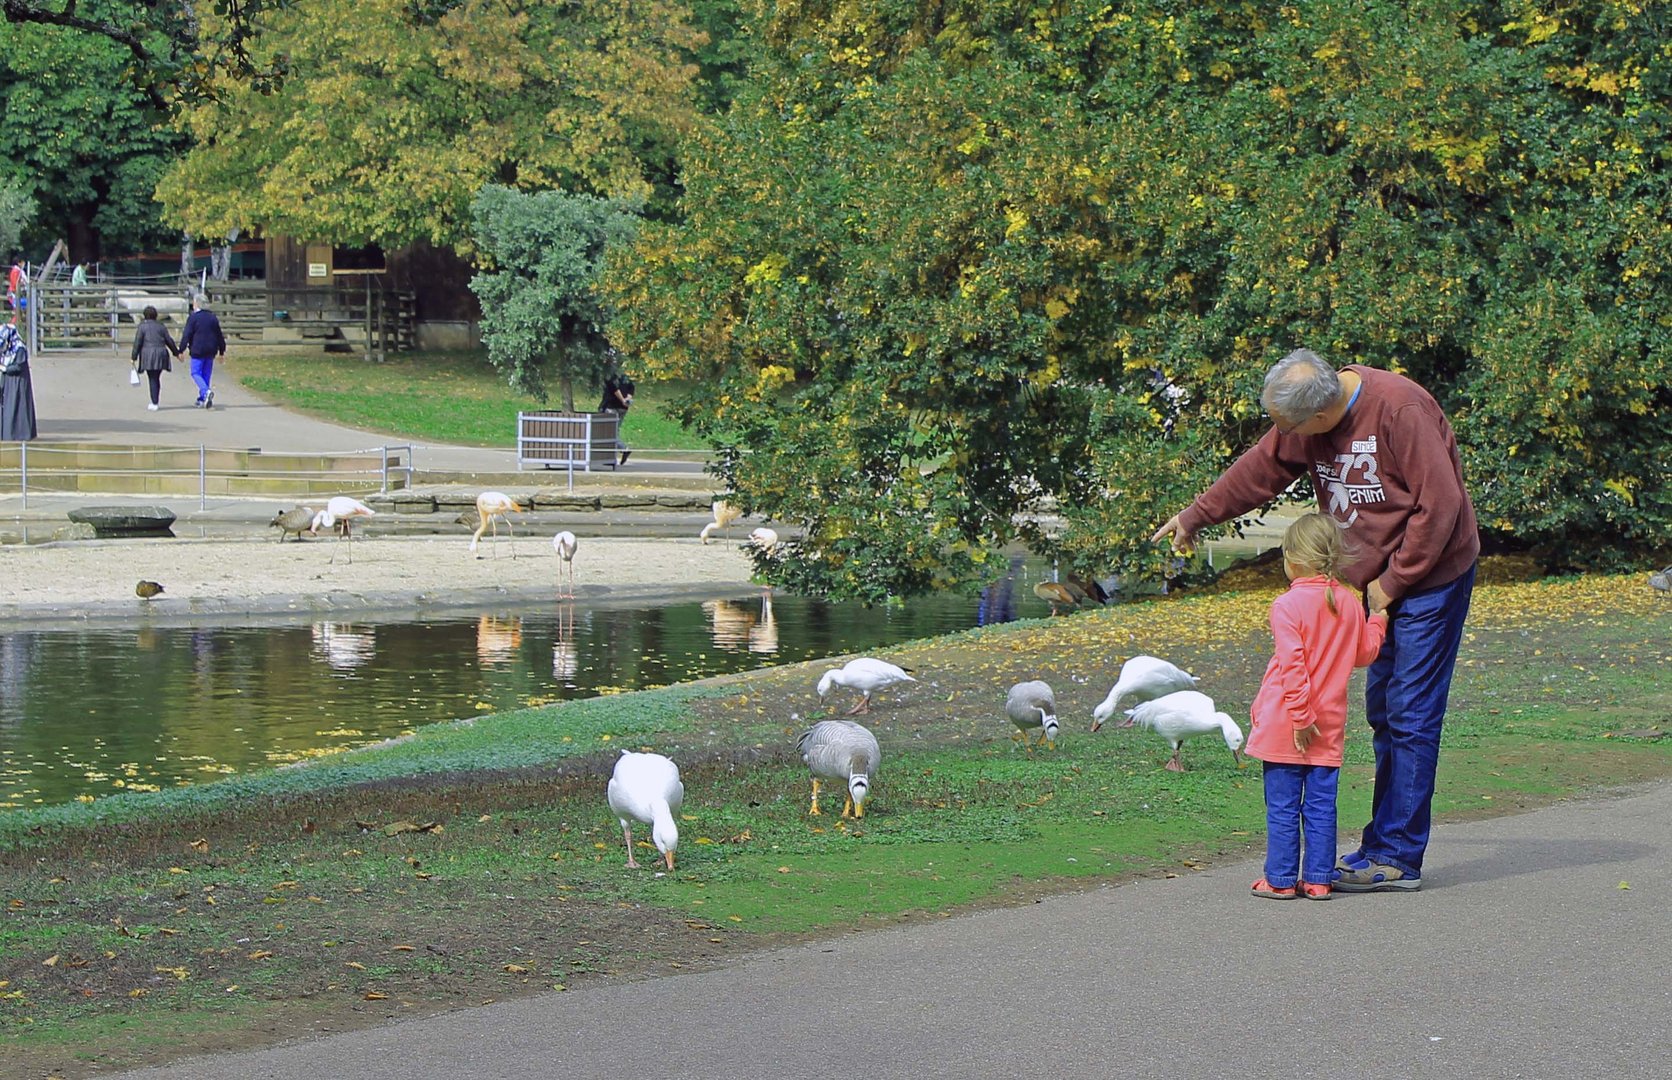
744 624
343 646
497 640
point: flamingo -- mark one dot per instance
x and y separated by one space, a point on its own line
841 750
646 788
1142 678
337 514
564 544
491 505
724 514
1032 707
1177 716
865 675
764 539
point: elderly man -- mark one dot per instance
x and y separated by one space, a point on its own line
203 341
1384 464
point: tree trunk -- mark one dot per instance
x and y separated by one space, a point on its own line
568 386
220 257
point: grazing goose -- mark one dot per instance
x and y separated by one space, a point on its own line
646 788
564 544
1178 716
1661 581
296 520
1031 706
724 514
1142 678
490 507
841 750
865 675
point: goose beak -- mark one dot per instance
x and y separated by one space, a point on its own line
1236 756
1095 724
669 856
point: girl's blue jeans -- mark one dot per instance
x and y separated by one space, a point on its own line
1300 799
1405 701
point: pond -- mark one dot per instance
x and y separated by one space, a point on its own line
93 711
87 712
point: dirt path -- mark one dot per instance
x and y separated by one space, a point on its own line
96 580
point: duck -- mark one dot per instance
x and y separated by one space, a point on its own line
147 590
298 520
491 506
1060 595
1032 706
565 544
1182 714
1142 678
646 788
841 750
865 675
724 514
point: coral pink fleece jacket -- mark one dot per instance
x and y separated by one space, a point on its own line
1389 472
1306 682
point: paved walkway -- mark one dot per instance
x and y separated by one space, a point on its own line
1526 956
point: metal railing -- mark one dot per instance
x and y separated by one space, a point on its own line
64 469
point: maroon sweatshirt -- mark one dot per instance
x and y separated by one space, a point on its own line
1389 471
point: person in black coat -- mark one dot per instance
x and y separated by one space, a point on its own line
202 338
618 398
153 349
17 392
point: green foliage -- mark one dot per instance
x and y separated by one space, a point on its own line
395 114
17 210
541 315
936 271
79 137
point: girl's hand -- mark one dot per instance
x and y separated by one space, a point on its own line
1304 737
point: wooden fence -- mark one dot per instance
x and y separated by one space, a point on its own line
351 314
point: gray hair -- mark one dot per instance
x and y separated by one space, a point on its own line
1299 386
199 300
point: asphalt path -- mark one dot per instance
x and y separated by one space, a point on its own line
1538 948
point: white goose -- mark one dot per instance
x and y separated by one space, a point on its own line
842 750
865 675
1178 716
1032 707
646 788
1142 678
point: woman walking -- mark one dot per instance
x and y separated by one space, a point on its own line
153 348
17 393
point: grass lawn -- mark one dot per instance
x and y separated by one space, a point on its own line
478 860
443 397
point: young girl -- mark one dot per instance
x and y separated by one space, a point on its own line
1299 718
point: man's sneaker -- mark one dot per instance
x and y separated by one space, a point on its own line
625 454
152 408
1375 877
1353 860
209 400
198 404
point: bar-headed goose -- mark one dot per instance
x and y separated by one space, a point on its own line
1032 707
842 750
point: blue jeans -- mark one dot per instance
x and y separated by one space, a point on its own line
203 367
1405 702
1300 797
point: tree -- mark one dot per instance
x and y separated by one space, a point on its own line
17 209
82 140
945 265
396 114
542 319
168 54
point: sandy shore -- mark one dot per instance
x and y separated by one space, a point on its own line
95 580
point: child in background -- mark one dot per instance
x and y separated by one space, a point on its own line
1299 717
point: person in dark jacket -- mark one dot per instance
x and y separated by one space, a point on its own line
153 346
618 398
202 338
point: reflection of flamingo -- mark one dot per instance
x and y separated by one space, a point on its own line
341 645
564 544
497 639
763 636
730 621
491 506
565 660
724 514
